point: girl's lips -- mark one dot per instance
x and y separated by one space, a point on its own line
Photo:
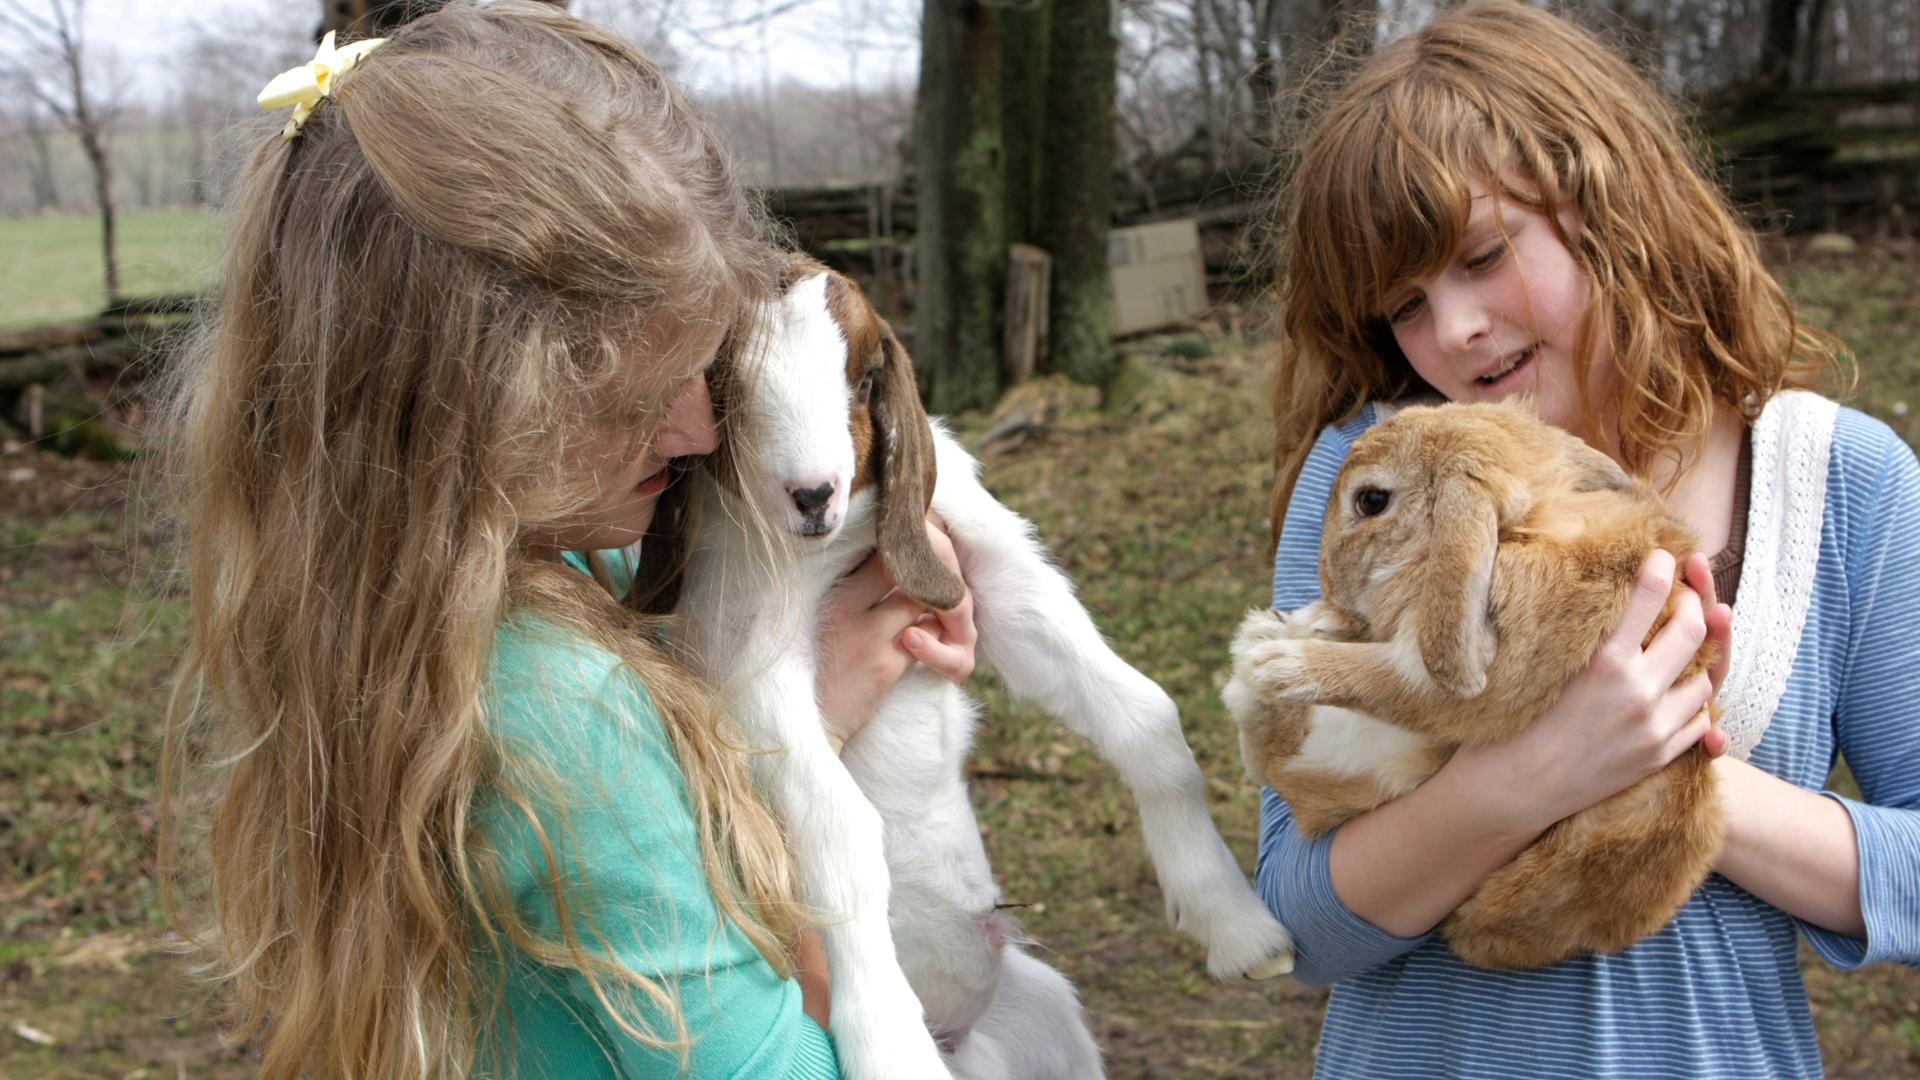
1494 378
655 484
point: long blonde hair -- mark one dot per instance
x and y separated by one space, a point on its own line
1545 115
426 292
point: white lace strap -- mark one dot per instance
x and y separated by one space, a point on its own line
1792 442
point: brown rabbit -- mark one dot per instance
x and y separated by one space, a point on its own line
1472 559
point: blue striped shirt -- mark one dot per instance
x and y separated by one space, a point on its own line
1717 992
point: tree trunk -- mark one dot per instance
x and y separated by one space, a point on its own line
1308 28
1228 49
1264 80
376 18
91 142
1203 73
961 211
369 18
89 125
1780 41
1076 194
1022 34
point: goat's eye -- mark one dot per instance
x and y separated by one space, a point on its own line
1371 502
866 382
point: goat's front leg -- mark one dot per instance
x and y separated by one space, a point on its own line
1047 650
879 1028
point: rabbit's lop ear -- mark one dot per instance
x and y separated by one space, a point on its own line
1457 635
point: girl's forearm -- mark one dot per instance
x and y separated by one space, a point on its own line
1406 865
1791 847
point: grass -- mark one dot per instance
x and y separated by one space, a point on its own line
52 269
1156 508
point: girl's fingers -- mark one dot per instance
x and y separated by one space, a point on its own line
1673 648
950 661
1719 616
1715 741
892 615
956 623
1698 724
1649 597
1700 577
1720 632
944 640
864 586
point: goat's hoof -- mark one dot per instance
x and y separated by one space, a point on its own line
1279 965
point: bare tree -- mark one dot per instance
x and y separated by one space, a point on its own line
50 60
213 101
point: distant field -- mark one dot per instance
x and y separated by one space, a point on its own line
51 268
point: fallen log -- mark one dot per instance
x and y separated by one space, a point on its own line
48 337
86 357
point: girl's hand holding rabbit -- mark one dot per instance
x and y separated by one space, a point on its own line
1622 718
1405 866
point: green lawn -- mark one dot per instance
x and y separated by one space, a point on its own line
52 270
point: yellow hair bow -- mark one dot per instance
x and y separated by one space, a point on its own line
305 85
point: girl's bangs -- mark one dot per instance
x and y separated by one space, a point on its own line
1397 194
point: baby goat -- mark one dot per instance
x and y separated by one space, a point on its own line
828 441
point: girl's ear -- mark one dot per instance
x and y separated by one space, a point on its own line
1457 635
903 443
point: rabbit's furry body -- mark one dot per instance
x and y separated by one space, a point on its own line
1472 559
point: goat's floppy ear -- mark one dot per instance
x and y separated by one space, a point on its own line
1457 635
903 443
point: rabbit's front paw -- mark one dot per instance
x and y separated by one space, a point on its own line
1279 668
1260 625
1324 621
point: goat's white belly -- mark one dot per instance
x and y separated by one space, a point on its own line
947 931
1348 743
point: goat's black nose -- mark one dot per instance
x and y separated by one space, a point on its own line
810 500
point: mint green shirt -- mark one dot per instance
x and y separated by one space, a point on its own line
628 839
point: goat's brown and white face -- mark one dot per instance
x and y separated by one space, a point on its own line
836 424
807 420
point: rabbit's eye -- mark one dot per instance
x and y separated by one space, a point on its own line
1370 502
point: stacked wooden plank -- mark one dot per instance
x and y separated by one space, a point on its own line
1820 157
75 385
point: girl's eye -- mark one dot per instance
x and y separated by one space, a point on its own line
1371 502
1406 310
1486 259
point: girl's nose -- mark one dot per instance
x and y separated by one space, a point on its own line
1459 318
689 426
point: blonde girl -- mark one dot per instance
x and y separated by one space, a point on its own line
1494 206
468 817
